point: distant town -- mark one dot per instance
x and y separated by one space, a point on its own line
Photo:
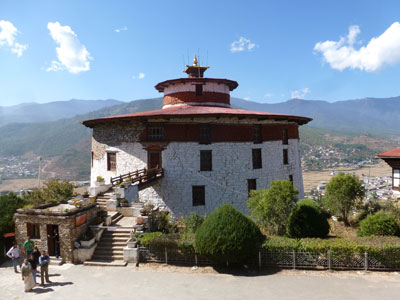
13 167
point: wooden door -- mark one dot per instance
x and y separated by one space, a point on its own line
51 246
154 159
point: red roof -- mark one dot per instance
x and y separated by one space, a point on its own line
391 153
197 111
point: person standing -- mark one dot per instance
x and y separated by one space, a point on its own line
44 261
28 245
33 264
15 254
36 255
27 277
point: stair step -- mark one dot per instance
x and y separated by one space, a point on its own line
105 263
108 257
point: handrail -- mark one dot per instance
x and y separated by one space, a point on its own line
141 176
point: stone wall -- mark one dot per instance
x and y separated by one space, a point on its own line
67 230
226 183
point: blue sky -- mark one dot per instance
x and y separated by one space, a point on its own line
58 50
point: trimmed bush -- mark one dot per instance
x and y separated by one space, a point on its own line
228 236
379 224
307 220
144 239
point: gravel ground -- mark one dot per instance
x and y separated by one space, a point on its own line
154 281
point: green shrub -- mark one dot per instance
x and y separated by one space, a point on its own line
161 221
379 224
193 222
144 239
307 220
281 243
228 236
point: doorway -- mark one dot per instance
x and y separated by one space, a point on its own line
51 242
154 159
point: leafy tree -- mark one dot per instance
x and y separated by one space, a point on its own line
8 206
344 192
271 207
307 220
228 236
379 224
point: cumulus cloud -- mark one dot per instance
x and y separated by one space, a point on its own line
139 76
71 54
242 44
300 94
8 34
379 52
121 29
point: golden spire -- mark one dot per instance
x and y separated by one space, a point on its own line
195 61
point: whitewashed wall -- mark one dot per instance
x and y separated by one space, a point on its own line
226 183
191 87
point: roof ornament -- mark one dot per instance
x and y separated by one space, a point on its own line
195 61
195 70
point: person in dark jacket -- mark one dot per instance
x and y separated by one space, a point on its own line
33 264
44 261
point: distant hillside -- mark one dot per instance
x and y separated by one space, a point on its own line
45 112
67 142
364 116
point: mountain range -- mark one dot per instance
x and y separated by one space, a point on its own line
66 143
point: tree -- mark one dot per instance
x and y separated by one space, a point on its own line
307 220
271 207
228 236
344 192
53 191
8 206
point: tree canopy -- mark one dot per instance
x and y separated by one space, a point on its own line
8 205
271 207
344 192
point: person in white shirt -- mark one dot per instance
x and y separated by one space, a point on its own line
14 254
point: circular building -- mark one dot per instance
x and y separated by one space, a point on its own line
209 153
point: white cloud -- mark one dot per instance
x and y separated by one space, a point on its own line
267 95
121 29
242 44
71 54
139 76
300 94
8 33
379 52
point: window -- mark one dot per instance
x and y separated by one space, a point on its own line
198 194
251 185
205 160
204 134
396 178
291 178
285 136
111 161
285 157
33 230
256 155
92 158
199 90
155 133
257 138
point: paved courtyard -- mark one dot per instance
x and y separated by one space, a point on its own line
163 282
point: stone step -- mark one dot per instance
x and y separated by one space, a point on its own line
108 257
110 247
115 239
105 263
116 219
109 253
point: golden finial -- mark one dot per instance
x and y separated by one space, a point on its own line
195 61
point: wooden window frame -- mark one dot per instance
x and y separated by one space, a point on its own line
155 133
205 160
256 155
291 178
92 158
199 90
257 134
33 230
198 195
285 136
285 153
110 166
204 134
251 185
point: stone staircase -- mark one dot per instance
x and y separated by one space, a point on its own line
101 199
